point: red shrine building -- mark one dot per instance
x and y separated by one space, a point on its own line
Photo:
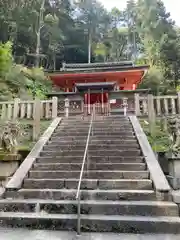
96 80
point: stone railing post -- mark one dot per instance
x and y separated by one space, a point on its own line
137 104
36 119
66 107
16 108
151 112
174 164
125 105
54 107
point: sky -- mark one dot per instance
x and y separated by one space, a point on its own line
172 6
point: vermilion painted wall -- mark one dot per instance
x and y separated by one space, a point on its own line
126 80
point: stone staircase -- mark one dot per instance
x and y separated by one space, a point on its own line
117 194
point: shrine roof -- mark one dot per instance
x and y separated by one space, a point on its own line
111 68
66 94
95 86
96 65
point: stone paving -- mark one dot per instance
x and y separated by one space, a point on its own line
17 234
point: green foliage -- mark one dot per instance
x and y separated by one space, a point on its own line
15 79
50 20
159 38
38 84
153 80
159 139
5 57
178 88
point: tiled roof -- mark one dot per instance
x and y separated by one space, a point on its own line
103 69
95 84
96 65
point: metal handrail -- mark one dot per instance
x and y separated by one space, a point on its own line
81 174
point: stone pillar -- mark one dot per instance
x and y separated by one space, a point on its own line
54 107
66 107
125 105
137 105
151 113
36 119
174 171
16 108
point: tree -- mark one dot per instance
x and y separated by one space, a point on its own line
154 26
118 40
115 41
160 43
130 18
92 14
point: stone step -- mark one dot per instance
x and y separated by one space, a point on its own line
75 146
90 174
95 130
90 166
97 134
92 223
102 127
96 121
70 194
77 138
90 184
95 142
100 152
77 123
97 118
138 208
92 159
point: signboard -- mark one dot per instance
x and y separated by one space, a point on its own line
113 101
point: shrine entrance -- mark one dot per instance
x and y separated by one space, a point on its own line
97 95
98 108
96 98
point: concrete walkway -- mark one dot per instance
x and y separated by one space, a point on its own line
17 234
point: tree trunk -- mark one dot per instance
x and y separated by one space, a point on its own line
89 46
54 61
38 45
38 48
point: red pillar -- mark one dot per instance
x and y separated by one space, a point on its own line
102 100
107 103
85 98
85 103
107 97
89 101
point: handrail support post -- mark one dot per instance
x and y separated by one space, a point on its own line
79 216
87 161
